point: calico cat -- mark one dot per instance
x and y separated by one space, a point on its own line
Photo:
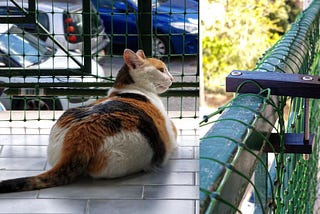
124 133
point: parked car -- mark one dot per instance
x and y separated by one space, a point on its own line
64 21
175 24
20 49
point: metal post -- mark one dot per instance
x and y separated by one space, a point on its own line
32 10
306 121
86 20
306 125
145 26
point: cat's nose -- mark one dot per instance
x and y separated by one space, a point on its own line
171 77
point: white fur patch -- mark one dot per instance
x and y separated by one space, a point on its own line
128 152
56 139
155 100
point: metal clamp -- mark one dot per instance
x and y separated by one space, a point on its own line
282 84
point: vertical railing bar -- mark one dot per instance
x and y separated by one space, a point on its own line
86 20
145 26
306 125
306 120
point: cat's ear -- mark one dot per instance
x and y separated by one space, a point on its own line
141 54
132 59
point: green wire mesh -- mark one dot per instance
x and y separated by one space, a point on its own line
233 147
79 80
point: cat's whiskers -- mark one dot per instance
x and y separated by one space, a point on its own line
162 84
175 73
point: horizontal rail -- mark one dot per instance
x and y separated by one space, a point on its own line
283 84
85 92
81 84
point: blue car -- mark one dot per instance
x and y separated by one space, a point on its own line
175 25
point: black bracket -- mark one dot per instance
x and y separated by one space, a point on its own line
282 84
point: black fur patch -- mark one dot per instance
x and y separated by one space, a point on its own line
13 185
146 125
123 76
134 96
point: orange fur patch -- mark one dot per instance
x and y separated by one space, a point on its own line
156 63
98 162
66 121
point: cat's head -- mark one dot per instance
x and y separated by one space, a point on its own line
141 72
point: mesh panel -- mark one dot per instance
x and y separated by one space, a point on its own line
62 54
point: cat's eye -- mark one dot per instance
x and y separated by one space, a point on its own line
162 70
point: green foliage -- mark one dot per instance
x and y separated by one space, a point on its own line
241 33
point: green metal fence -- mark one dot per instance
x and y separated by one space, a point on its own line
232 151
78 45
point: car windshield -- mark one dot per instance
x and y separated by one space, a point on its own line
23 47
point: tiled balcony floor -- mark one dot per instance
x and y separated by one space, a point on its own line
173 189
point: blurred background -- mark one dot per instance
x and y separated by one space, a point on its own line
234 34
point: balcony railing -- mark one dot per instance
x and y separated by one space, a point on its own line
232 156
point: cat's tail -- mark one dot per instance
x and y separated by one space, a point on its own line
63 173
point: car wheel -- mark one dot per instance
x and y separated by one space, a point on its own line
36 104
160 47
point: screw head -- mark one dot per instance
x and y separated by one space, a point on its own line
307 78
236 73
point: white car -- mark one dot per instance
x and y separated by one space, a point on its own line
63 20
20 49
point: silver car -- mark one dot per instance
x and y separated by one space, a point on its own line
63 20
20 49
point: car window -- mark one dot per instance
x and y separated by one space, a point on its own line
43 19
14 46
24 48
